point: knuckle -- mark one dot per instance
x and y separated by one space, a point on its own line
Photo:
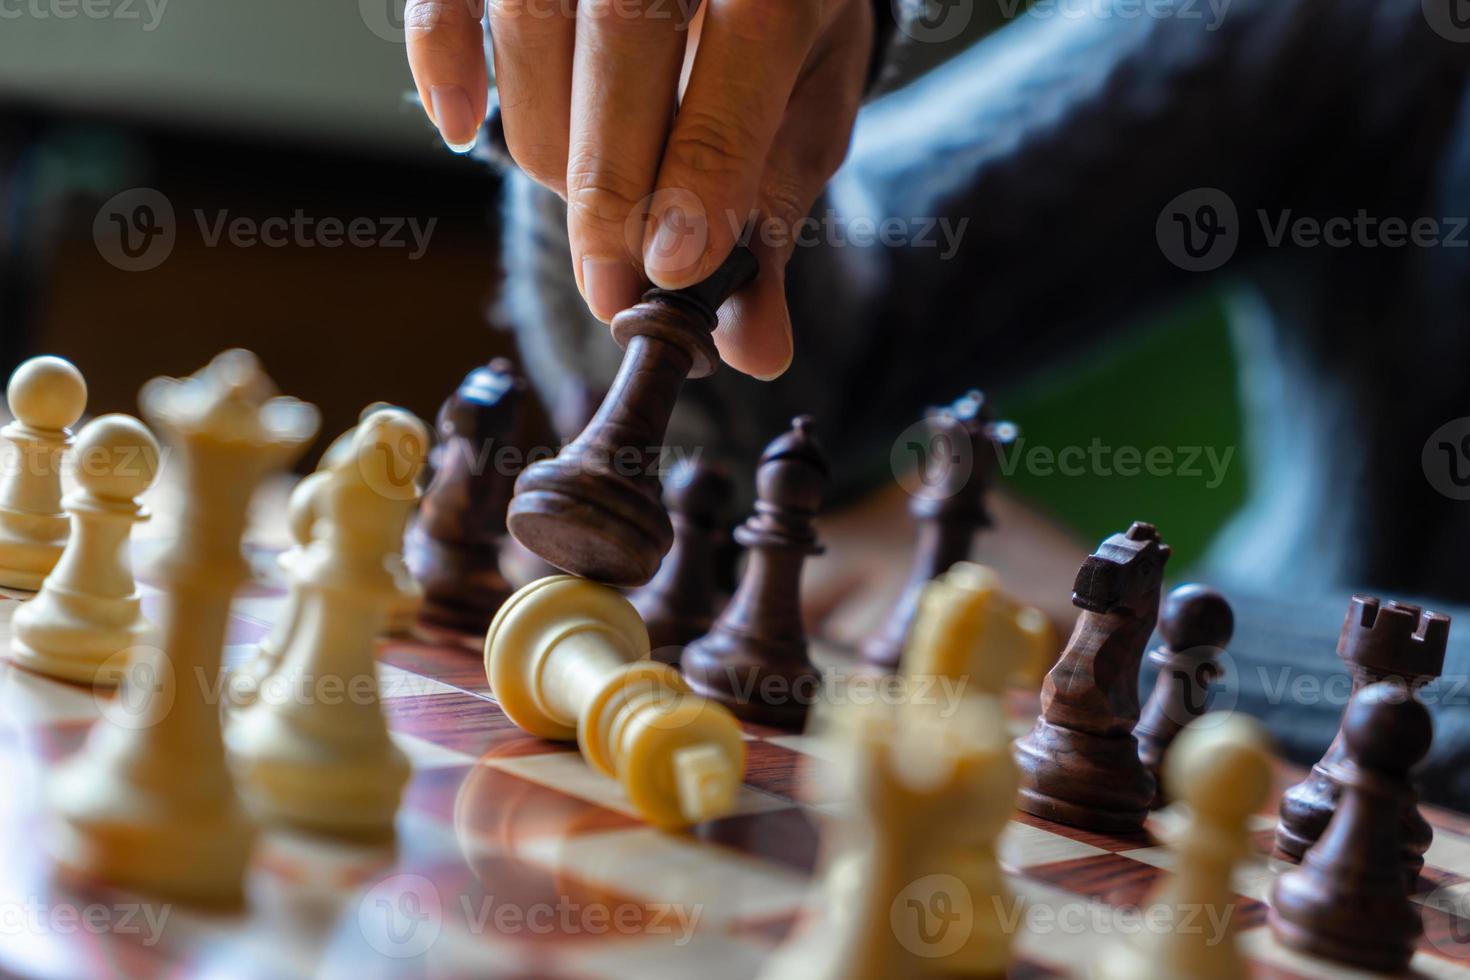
786 200
543 163
613 15
705 145
777 20
599 195
427 17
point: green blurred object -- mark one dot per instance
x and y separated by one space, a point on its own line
1170 386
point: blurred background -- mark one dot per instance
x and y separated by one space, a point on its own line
230 126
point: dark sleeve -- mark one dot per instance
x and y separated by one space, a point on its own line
1038 182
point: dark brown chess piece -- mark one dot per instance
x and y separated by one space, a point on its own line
453 546
1079 765
955 467
1347 901
594 510
1379 641
569 412
679 604
1196 623
754 659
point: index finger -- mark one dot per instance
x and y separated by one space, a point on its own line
446 52
750 55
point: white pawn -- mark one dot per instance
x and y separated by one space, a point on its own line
1220 767
969 631
314 750
302 512
88 613
404 609
46 395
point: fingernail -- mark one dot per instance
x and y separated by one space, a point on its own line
673 256
453 116
609 286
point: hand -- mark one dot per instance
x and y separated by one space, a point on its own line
766 94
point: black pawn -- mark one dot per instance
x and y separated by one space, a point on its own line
948 509
1196 623
754 658
1379 641
679 604
453 546
1347 901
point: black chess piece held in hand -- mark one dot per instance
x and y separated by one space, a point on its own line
595 510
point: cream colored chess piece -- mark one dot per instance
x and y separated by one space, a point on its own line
148 803
969 630
1220 767
302 512
314 750
896 902
46 396
88 613
403 608
568 658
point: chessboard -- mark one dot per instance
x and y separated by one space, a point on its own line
514 859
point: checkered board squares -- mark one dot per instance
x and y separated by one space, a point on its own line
514 859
